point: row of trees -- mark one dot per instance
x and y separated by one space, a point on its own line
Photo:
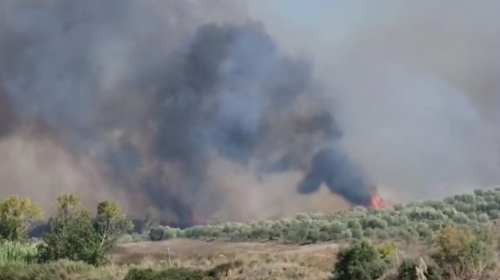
73 233
422 220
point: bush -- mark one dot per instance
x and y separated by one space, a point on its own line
386 249
169 274
462 253
360 261
407 270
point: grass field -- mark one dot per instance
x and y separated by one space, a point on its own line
261 260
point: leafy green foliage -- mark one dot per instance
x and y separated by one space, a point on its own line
164 233
110 224
72 235
360 261
410 223
407 270
386 249
16 215
75 237
18 252
462 252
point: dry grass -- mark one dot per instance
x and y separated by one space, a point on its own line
267 260
260 260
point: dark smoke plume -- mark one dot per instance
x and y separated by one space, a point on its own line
332 166
154 93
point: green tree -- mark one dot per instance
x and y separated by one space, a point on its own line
360 261
16 215
71 234
110 224
74 236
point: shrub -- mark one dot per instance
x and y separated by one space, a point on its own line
360 261
461 252
386 249
170 274
18 252
483 218
156 233
222 270
357 233
407 270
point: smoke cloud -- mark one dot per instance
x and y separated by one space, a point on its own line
144 101
416 87
208 107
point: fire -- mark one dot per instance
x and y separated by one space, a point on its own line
377 201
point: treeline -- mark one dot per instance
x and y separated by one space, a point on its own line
410 222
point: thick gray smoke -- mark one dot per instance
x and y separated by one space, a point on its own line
417 88
143 98
180 103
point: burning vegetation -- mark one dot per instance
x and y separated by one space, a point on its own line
377 201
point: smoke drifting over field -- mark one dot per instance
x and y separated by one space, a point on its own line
194 107
417 88
148 95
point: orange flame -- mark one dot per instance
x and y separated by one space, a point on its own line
377 201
